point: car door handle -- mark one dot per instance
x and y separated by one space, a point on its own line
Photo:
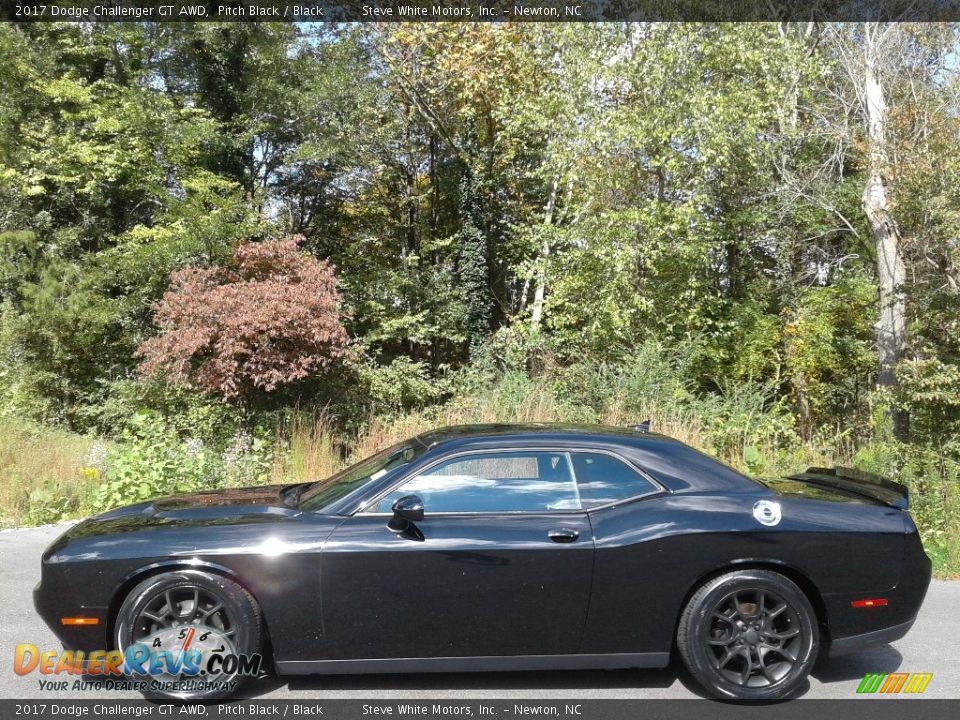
563 535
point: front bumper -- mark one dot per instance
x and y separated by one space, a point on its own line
52 606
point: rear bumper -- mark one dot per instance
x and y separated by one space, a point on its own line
856 629
855 643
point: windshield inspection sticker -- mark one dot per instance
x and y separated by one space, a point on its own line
766 512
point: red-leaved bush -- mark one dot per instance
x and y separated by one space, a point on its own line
269 319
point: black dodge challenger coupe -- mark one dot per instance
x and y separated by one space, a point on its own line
508 547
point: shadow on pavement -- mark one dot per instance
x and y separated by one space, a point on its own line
845 668
522 681
883 659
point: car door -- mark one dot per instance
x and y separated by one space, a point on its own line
501 564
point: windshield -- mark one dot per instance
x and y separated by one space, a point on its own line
325 492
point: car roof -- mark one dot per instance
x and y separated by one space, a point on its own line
673 464
556 431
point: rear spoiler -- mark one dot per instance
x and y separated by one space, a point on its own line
857 482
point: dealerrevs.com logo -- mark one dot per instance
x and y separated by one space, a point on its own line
894 683
185 659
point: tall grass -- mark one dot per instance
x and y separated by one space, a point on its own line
44 471
311 449
314 447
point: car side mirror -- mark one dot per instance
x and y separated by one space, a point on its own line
406 510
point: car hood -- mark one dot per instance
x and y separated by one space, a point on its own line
209 503
231 506
239 498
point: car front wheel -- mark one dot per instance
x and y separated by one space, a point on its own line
177 618
749 635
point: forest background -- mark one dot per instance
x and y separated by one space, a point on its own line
249 253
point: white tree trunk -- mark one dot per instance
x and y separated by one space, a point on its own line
539 293
891 328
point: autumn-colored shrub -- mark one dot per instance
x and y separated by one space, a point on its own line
270 319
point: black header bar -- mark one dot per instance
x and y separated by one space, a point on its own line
319 11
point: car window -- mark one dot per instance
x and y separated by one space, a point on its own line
325 492
603 479
493 482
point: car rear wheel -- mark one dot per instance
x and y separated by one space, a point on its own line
184 611
749 635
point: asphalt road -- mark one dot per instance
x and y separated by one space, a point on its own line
930 647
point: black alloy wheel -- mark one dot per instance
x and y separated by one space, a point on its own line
755 637
170 604
749 635
180 606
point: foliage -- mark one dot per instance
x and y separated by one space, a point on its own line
473 272
270 320
401 384
933 480
930 392
597 222
154 461
594 186
828 350
45 473
186 411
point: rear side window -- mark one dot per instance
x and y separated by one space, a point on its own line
604 479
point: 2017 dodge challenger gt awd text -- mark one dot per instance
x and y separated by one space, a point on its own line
506 547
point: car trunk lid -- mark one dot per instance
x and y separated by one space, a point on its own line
856 482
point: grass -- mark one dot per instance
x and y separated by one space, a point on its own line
312 450
43 470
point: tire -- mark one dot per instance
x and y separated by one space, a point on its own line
749 635
172 602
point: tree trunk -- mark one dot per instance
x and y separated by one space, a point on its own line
891 328
539 293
